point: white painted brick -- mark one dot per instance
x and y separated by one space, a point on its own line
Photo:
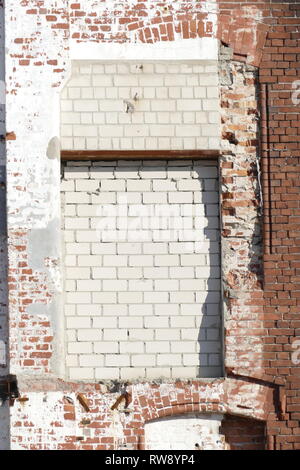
70 310
77 198
191 285
115 335
78 322
102 80
163 105
89 335
134 295
76 223
70 260
69 236
166 285
81 373
86 185
114 310
168 310
87 235
163 117
115 260
140 310
79 81
182 322
112 185
188 131
164 372
105 347
78 297
169 360
155 248
157 347
164 185
135 130
182 297
156 322
78 273
114 285
71 361
138 185
132 373
107 373
99 118
104 248
190 334
110 131
129 248
141 334
180 197
154 198
104 322
70 285
126 81
66 105
166 260
182 346
70 118
189 105
73 248
89 360
156 297
129 273
143 360
131 347
192 260
167 335
104 297
162 130
130 297
80 348
184 372
155 273
141 260
117 360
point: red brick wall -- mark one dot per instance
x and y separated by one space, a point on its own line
243 434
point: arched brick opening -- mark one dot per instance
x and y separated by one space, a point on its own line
245 408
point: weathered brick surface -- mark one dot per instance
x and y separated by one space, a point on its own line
138 106
262 342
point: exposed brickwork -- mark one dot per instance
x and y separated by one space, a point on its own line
101 428
243 434
37 62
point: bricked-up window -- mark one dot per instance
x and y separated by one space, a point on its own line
136 106
142 269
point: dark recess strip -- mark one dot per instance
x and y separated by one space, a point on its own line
94 155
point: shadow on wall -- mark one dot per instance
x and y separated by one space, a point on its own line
4 366
210 341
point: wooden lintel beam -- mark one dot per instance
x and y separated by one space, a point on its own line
94 155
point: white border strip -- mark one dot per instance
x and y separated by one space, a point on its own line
182 49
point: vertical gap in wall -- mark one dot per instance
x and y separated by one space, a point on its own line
265 146
222 300
268 168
